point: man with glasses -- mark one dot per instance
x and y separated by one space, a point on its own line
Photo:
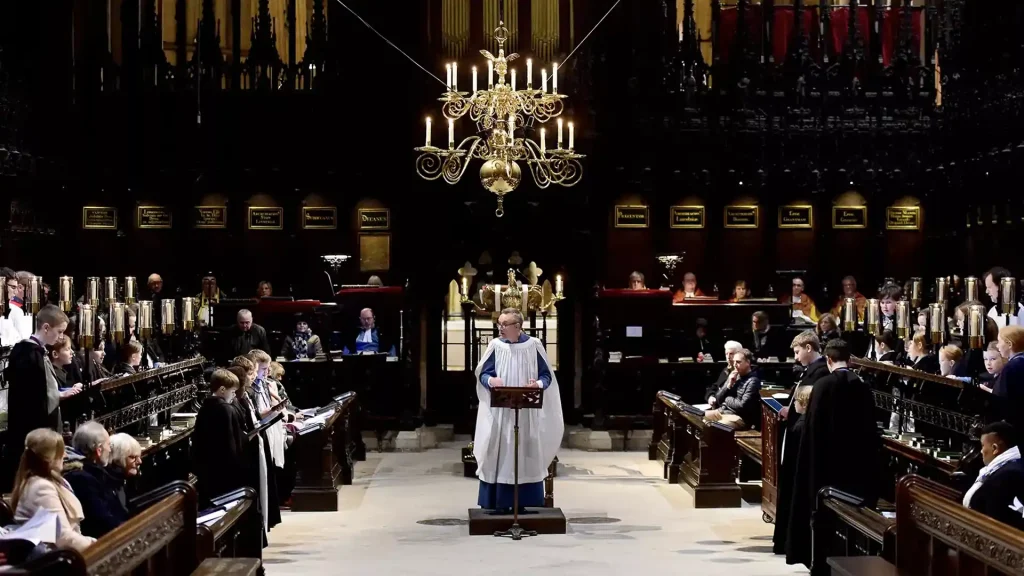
517 360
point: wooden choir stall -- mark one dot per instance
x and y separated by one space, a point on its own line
325 447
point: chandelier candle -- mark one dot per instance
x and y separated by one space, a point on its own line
554 78
427 145
543 80
448 81
543 141
559 133
455 76
490 74
571 133
529 73
513 71
474 80
451 133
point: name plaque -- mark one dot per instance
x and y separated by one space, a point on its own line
319 218
266 218
849 216
153 217
99 218
374 219
210 217
741 216
796 216
903 218
686 217
632 216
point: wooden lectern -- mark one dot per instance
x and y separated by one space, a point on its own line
517 399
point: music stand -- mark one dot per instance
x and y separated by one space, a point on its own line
517 399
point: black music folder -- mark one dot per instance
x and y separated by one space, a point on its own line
270 420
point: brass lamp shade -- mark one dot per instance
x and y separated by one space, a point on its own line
168 315
92 291
110 290
1008 296
131 290
189 307
32 292
971 288
915 293
66 293
145 319
849 314
873 317
117 322
941 289
902 319
976 326
937 323
87 327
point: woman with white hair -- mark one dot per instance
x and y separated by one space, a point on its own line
125 457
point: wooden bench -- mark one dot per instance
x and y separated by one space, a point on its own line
323 459
938 535
843 527
161 538
702 454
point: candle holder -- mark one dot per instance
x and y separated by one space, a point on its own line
915 293
117 322
3 296
189 307
131 290
65 291
145 319
110 290
849 314
971 288
498 111
87 327
941 289
937 323
32 292
872 318
92 291
902 319
976 326
1008 296
167 315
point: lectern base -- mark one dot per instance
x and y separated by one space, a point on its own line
541 520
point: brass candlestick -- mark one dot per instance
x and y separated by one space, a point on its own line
976 326
87 327
902 319
849 314
117 322
131 290
167 315
1008 296
971 288
92 291
110 292
144 322
872 317
915 293
32 292
937 322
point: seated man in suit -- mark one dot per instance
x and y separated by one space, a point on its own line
369 341
246 336
737 403
1001 481
766 341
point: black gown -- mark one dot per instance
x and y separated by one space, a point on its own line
790 446
252 452
838 448
27 405
218 449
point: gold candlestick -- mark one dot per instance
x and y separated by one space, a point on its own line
1008 296
92 291
188 313
167 315
971 288
32 292
915 293
145 319
110 294
849 315
87 327
902 319
117 322
937 322
872 317
131 290
66 293
976 326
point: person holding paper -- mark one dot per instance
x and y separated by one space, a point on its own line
258 449
218 441
38 484
515 359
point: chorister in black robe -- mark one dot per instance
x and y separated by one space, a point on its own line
28 402
253 452
218 449
792 430
838 448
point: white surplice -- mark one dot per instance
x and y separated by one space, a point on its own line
540 430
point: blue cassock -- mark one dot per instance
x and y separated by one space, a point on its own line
500 496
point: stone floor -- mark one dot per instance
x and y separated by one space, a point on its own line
624 519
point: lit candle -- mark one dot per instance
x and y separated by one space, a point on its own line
448 82
512 126
428 132
451 132
490 73
455 76
554 78
474 79
558 284
513 79
543 142
571 133
465 287
559 133
543 80
529 73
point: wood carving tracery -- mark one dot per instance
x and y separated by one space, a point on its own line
960 535
131 555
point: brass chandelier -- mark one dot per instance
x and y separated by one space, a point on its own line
499 112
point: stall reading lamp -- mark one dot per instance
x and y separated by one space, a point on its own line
66 293
334 261
92 291
849 315
87 329
902 319
32 294
144 323
915 293
976 326
971 286
872 318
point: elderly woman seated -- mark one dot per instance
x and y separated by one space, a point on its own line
302 344
39 485
99 489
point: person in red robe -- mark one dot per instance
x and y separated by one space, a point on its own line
850 291
689 289
801 302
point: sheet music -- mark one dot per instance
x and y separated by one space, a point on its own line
702 406
41 527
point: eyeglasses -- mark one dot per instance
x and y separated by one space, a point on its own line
507 324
